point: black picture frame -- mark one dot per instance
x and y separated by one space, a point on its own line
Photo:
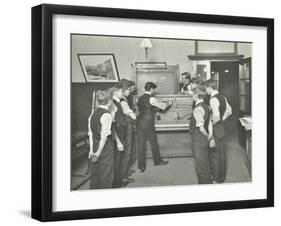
42 107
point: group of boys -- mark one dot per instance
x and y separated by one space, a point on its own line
210 110
111 135
113 124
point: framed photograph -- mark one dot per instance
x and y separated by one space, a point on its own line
99 67
186 122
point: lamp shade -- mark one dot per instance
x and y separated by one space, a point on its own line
146 43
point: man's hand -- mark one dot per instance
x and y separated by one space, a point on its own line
120 146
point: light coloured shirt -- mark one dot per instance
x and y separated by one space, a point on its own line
113 109
215 104
198 114
127 110
106 121
156 103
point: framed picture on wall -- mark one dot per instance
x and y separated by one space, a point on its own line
99 67
75 102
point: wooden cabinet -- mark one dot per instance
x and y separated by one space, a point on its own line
245 110
245 88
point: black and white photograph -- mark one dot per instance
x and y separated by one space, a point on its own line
140 112
149 112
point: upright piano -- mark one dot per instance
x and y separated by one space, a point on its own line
166 77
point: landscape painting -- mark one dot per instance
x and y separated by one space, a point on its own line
99 67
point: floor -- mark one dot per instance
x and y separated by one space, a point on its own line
180 170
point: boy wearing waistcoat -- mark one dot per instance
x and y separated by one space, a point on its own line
221 110
201 136
120 127
132 105
147 106
130 118
101 143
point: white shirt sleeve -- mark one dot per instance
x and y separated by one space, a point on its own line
228 110
215 105
127 110
113 109
89 124
198 114
106 121
157 103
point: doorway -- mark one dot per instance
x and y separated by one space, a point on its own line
227 74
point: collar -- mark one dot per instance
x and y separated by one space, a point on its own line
198 102
116 98
104 107
214 93
147 92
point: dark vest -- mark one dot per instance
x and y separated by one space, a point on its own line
120 123
130 100
129 120
222 102
120 119
95 126
147 111
192 125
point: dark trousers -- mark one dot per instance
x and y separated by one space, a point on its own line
118 156
146 131
102 170
218 161
124 161
117 181
133 156
200 148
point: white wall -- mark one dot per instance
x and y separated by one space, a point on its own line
15 93
127 52
245 49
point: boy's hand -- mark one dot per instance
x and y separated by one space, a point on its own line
91 154
95 157
212 143
171 102
120 146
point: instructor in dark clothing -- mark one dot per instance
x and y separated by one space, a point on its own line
148 105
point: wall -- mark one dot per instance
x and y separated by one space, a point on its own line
245 49
127 52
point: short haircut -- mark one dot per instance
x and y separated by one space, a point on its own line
149 85
123 84
131 83
186 75
212 83
200 92
196 81
103 96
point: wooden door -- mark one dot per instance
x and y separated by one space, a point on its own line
228 74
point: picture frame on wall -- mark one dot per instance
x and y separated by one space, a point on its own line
66 82
99 67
